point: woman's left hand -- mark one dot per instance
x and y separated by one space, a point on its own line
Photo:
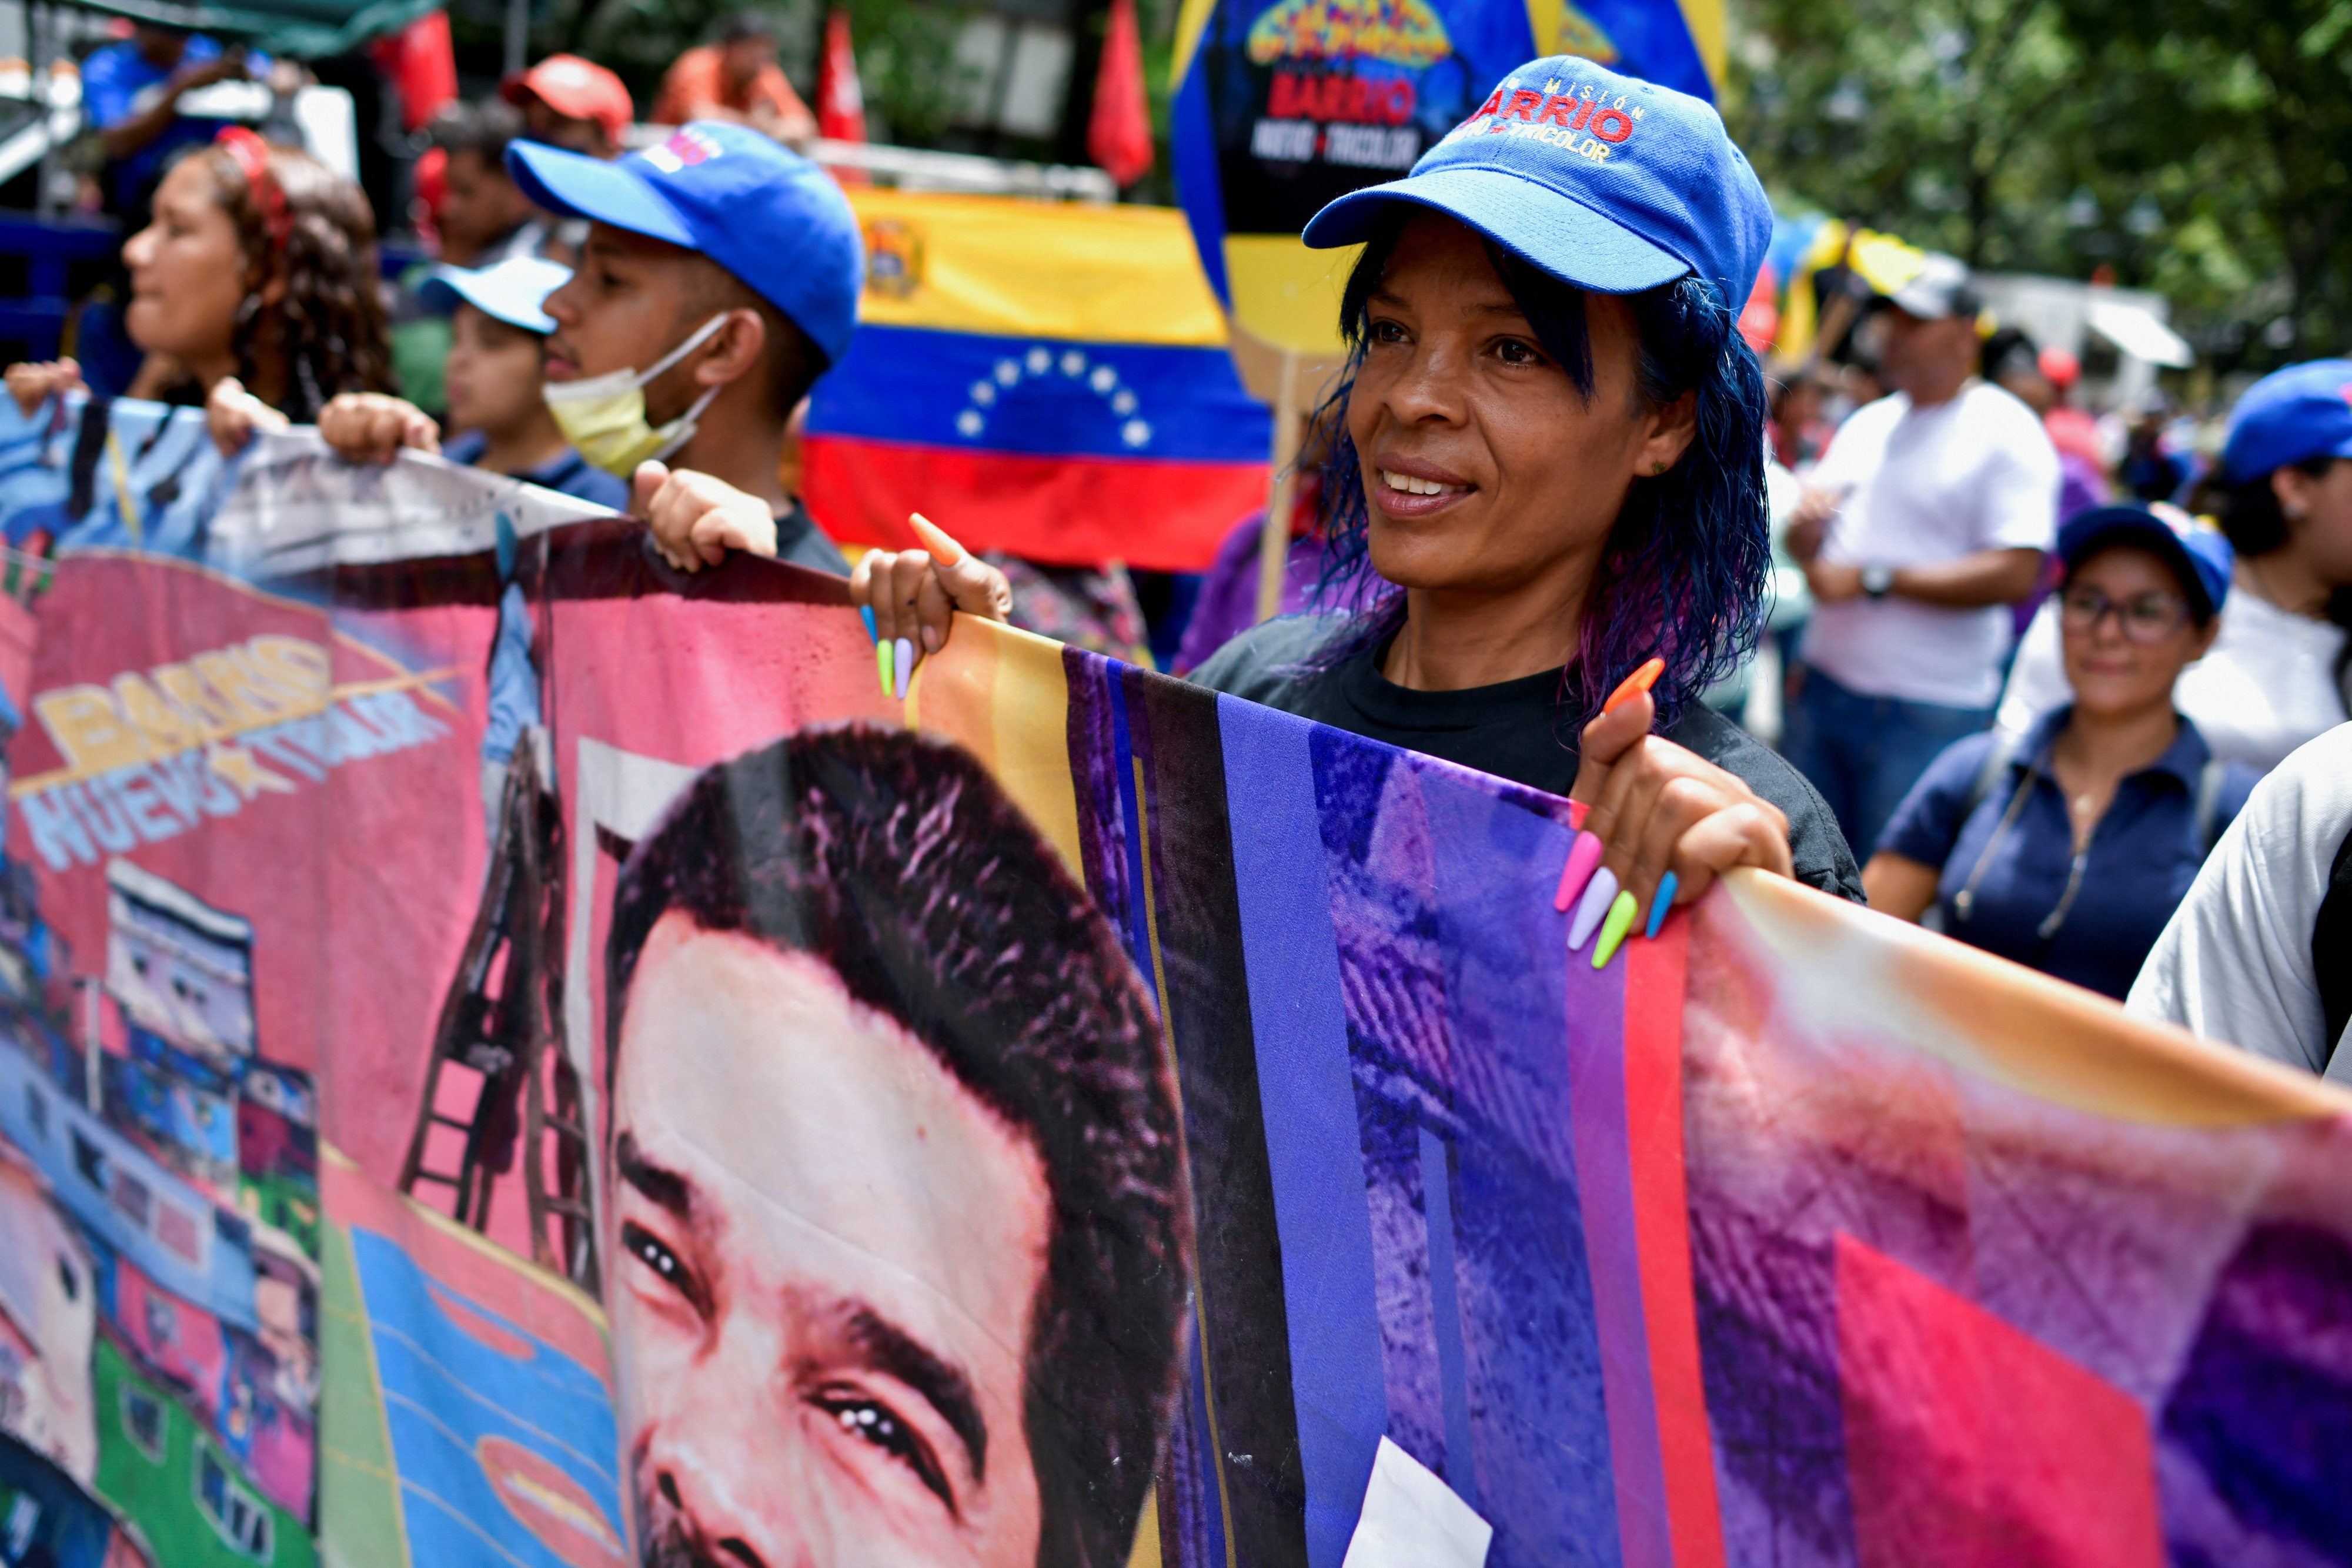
1660 810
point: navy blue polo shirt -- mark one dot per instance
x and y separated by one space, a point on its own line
2141 858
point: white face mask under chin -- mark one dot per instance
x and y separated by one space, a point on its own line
604 416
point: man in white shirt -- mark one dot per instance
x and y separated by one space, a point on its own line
1927 516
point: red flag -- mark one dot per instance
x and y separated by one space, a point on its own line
421 65
1118 133
840 101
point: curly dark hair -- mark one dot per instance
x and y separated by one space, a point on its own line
327 333
1690 557
897 861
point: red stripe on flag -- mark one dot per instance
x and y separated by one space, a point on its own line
1653 1117
1064 511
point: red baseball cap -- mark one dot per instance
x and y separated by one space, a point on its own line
581 89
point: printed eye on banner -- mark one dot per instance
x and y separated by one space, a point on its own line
1046 372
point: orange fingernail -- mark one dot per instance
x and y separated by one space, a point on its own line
935 540
1634 684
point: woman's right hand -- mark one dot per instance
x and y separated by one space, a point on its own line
913 595
371 427
233 414
34 385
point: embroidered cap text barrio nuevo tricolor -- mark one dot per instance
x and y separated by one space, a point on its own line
1604 180
759 210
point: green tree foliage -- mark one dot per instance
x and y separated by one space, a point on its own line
2192 146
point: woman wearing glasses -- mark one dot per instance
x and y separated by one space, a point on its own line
2067 848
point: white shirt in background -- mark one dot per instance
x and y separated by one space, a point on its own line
2234 963
1926 485
2267 686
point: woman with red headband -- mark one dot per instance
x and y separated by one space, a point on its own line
253 291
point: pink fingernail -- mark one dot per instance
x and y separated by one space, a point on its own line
1582 856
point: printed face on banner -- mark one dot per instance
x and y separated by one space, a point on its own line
892 1137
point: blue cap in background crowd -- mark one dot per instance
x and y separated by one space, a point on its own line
762 211
513 291
2290 416
2200 557
1603 181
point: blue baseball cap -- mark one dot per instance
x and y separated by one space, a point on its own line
1603 181
759 210
2199 555
2289 417
513 291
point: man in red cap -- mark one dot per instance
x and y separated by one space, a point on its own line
571 104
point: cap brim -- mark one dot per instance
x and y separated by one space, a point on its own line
447 285
2104 527
1563 237
583 187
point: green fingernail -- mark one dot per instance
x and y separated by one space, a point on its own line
882 664
1613 930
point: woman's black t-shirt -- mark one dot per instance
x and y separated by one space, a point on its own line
1511 729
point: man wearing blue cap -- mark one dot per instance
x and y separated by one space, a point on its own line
719 280
1546 477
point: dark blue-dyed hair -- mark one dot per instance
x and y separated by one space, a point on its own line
1687 566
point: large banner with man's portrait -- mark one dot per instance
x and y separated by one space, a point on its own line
509 1054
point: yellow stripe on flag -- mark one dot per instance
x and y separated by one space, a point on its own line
1013 267
1712 34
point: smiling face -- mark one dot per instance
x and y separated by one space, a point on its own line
493 375
188 274
829 1258
2110 671
1484 467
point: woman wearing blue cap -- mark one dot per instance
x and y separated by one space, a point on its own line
2068 849
1548 469
2282 671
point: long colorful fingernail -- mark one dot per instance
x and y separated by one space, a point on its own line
1597 894
1613 930
1661 902
906 651
873 633
1634 684
1582 856
882 663
935 539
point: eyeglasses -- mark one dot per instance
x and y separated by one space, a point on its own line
2142 617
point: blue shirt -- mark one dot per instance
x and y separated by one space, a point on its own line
514 684
2141 858
112 81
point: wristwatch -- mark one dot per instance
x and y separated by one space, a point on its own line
1877 580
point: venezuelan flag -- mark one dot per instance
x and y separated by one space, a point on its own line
1048 380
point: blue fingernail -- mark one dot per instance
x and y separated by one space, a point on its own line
1661 903
873 633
